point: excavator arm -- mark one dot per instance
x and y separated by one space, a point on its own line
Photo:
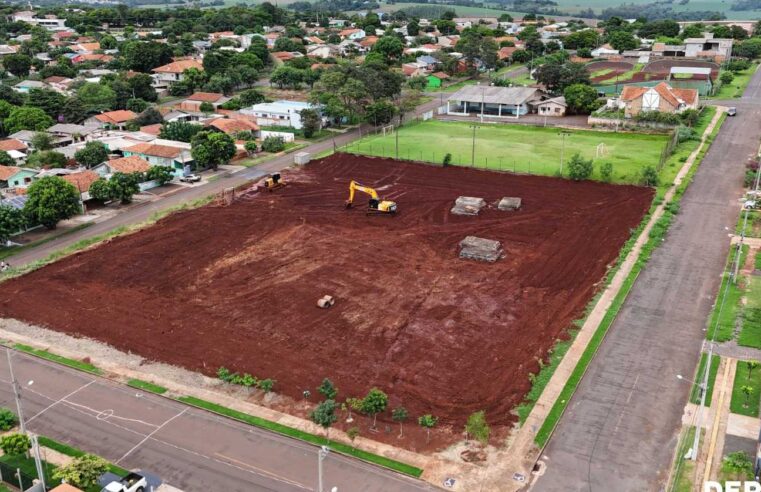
354 186
375 204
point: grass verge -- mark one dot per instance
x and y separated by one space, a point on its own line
7 252
726 309
44 354
76 453
695 392
146 386
744 378
303 436
685 469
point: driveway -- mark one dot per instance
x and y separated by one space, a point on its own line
620 429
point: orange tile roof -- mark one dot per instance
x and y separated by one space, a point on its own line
348 32
12 144
82 180
205 96
154 150
632 92
120 116
283 55
230 126
179 66
131 164
151 129
689 96
95 57
88 46
8 171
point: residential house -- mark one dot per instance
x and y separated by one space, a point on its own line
448 41
368 42
552 107
414 69
194 101
435 80
506 52
322 51
82 180
662 98
348 47
708 47
13 177
58 83
13 145
175 155
126 165
353 34
429 61
49 22
166 75
278 113
233 126
27 85
68 133
7 49
100 58
112 119
27 136
493 102
314 40
604 51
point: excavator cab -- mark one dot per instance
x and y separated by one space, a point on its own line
274 182
375 205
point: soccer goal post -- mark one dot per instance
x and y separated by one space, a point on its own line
601 151
388 130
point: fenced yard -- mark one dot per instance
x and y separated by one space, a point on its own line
517 148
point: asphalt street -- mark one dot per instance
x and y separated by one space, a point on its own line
620 429
143 211
188 448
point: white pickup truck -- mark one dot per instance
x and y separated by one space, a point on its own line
133 482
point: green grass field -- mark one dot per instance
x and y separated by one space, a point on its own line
517 148
737 86
721 326
740 404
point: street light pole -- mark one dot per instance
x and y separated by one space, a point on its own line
562 149
473 149
16 392
322 453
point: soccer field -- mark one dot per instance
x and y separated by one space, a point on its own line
518 148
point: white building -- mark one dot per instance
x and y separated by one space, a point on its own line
49 22
278 113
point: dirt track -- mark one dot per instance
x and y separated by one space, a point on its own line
237 285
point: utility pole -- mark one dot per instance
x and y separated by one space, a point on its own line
473 149
396 137
16 392
322 453
562 148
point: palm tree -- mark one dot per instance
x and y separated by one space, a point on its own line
752 364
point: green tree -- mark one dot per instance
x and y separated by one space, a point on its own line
622 40
141 85
399 414
144 56
557 75
210 149
123 186
151 116
738 465
42 141
477 427
747 391
92 154
160 174
581 98
428 422
649 176
136 105
206 107
327 389
374 403
11 221
751 364
586 38
74 110
391 47
310 121
249 97
727 78
6 159
47 100
324 415
27 118
15 444
250 147
285 76
99 190
380 113
46 158
181 131
273 144
579 168
352 433
606 172
83 472
18 64
51 200
108 42
418 83
97 97
8 419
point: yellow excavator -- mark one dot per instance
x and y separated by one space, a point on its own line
375 205
274 182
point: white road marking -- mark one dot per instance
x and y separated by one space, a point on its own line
59 400
151 434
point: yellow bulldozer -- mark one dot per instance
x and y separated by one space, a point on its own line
375 205
274 182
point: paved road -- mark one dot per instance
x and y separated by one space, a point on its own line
141 212
186 447
620 429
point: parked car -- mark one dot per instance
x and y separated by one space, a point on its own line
134 482
190 178
731 111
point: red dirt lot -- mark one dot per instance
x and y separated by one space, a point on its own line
237 285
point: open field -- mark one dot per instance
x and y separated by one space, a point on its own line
752 380
738 84
236 286
517 148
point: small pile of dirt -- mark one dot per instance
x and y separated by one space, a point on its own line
473 455
509 203
468 205
480 249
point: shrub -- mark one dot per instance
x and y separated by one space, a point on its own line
738 65
15 444
273 144
83 472
684 134
447 159
727 78
8 419
649 176
606 172
579 168
266 385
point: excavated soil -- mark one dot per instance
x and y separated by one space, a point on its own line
237 285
